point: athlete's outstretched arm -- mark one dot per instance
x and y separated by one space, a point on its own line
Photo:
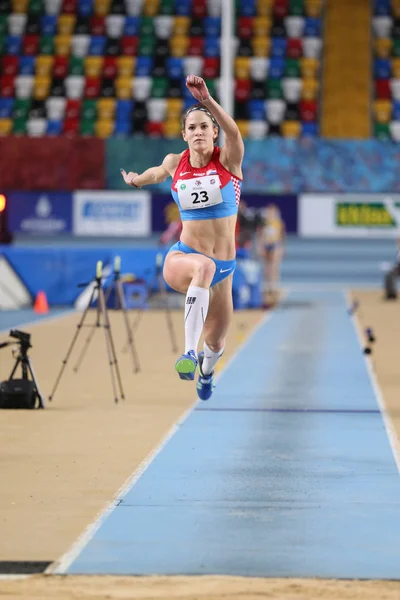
152 175
233 140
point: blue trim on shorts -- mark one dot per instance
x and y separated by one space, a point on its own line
224 268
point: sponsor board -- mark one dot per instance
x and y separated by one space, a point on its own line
349 215
40 214
115 214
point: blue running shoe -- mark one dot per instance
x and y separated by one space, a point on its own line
205 383
186 365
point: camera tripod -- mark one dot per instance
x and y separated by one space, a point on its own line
157 281
119 303
23 361
96 294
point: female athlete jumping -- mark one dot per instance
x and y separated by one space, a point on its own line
206 185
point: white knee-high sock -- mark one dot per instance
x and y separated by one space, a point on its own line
210 359
196 307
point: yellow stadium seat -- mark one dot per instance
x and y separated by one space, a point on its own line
396 68
179 45
104 128
309 67
123 87
151 8
174 108
291 129
102 7
310 88
383 111
313 8
93 66
242 67
6 126
20 6
41 87
243 127
106 108
172 128
396 8
62 45
44 64
181 26
383 47
126 65
264 7
261 46
261 26
66 24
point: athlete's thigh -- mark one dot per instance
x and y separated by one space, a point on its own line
220 311
179 269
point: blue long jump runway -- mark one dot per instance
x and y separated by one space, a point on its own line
287 471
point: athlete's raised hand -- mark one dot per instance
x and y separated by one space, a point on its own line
197 87
129 177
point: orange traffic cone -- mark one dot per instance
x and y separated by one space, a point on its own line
41 305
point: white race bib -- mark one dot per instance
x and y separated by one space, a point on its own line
199 193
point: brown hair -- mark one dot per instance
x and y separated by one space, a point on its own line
203 109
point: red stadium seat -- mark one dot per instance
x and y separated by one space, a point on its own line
382 88
154 129
199 9
69 7
71 127
30 45
196 46
308 110
92 87
245 27
73 109
295 48
242 89
110 67
60 67
129 45
97 25
9 65
7 83
211 67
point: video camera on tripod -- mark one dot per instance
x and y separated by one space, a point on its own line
24 392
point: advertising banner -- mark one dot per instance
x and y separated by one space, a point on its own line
349 215
39 214
114 214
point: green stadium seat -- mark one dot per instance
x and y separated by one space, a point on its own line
87 127
274 89
292 67
89 110
46 45
76 65
147 44
382 131
19 126
160 87
296 7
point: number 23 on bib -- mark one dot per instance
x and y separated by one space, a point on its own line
199 193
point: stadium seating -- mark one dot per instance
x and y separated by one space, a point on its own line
117 67
386 69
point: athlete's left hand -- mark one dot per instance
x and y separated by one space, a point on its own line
197 87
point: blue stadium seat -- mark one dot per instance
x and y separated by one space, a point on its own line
13 44
183 8
211 46
132 26
174 67
6 108
396 110
123 110
123 128
247 8
85 8
278 47
97 45
54 127
256 110
27 65
382 68
382 8
312 27
277 67
212 26
144 66
48 24
310 129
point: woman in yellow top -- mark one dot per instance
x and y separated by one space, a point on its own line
271 238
